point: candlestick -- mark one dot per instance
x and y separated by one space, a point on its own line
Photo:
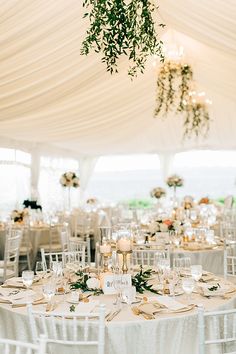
124 244
105 248
105 257
124 260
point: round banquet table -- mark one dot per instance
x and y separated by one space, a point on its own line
128 333
37 234
212 260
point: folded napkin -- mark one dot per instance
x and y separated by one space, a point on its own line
80 308
10 295
168 302
215 289
150 308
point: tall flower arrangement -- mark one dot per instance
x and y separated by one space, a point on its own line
69 179
174 181
158 192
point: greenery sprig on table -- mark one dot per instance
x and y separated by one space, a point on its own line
122 28
141 279
81 283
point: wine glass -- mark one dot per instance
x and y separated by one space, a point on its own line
27 278
117 281
188 286
49 290
40 269
196 272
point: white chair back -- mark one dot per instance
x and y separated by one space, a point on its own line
64 236
145 257
68 328
76 244
217 331
8 346
11 254
228 202
64 257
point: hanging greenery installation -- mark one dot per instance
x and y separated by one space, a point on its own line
122 28
173 86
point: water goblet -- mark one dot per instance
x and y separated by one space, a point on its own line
188 286
40 269
27 278
196 271
49 290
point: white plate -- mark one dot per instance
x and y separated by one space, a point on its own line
136 301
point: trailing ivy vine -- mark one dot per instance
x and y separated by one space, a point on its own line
196 119
122 28
173 86
174 94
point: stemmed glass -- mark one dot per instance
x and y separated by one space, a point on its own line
40 270
196 272
188 286
27 278
49 291
117 279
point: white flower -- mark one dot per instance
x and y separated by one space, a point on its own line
69 175
93 283
163 227
153 227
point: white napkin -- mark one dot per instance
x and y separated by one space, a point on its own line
12 295
81 308
218 291
169 302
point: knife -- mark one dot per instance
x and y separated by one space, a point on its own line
113 315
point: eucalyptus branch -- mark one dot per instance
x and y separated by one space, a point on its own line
122 28
140 281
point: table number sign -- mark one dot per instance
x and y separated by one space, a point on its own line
109 287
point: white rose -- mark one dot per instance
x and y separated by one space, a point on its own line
153 227
93 283
163 227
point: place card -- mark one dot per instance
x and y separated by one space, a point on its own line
109 286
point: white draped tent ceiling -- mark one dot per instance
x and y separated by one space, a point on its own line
50 95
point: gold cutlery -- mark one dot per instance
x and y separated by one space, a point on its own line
138 311
115 313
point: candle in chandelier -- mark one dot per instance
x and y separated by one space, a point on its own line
124 245
105 248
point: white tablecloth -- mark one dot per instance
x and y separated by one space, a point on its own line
127 333
211 260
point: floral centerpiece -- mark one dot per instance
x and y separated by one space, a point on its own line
164 225
175 181
19 215
92 201
69 179
204 200
158 192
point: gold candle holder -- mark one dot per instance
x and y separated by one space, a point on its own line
124 260
105 257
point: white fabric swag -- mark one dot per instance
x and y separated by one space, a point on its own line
52 95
